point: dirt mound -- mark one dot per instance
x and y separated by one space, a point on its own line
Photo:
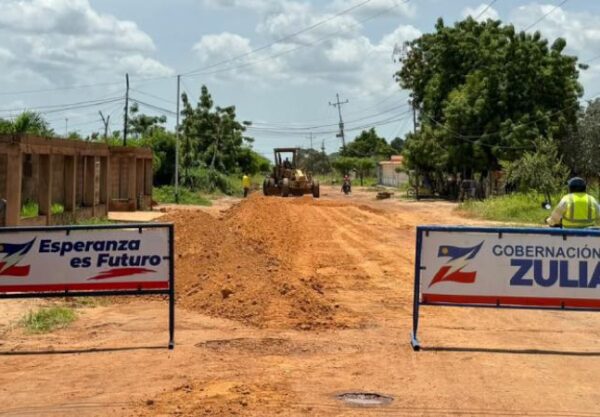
240 266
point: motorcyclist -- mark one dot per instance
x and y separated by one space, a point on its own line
576 209
346 184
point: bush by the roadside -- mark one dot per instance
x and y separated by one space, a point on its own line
48 319
512 208
166 194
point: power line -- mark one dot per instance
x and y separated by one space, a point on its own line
306 45
79 86
41 109
545 15
282 39
486 8
152 106
153 96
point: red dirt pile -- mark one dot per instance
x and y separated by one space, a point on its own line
242 266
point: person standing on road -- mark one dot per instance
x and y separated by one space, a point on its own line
246 184
576 209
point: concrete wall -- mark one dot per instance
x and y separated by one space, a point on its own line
387 175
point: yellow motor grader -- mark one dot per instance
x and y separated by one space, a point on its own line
287 178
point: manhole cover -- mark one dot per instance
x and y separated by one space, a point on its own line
364 399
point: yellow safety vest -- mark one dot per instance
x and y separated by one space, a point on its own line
245 181
581 211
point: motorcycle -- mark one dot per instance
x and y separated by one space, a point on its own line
347 187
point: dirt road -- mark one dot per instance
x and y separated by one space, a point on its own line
274 325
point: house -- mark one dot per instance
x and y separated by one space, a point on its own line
386 172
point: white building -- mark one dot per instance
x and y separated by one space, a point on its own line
387 175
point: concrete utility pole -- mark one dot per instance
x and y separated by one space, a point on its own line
177 143
310 137
414 110
339 104
126 117
105 122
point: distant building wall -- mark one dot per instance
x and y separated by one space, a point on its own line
387 175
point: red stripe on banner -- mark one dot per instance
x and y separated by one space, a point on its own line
90 286
120 272
511 301
14 271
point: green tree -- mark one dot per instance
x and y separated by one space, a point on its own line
140 124
32 123
363 167
343 164
541 170
397 145
212 136
314 161
485 92
581 150
368 144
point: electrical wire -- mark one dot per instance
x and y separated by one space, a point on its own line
306 45
544 15
490 4
282 39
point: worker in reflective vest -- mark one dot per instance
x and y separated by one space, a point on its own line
577 209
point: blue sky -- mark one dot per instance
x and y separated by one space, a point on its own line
54 52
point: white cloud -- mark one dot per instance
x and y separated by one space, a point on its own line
377 7
258 5
67 41
481 12
579 29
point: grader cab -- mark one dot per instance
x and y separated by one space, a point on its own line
287 178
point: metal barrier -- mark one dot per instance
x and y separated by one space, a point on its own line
89 261
528 268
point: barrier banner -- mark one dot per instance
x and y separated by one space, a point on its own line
62 260
507 267
96 260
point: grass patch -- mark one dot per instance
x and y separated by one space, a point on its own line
512 208
166 194
48 319
93 221
32 209
86 302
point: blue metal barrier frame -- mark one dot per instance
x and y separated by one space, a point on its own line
170 292
424 230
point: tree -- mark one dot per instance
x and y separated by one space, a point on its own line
343 164
314 161
397 145
541 170
32 123
140 124
368 144
212 137
581 150
363 166
485 92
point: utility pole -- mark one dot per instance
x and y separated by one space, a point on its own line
177 143
339 104
323 146
105 122
310 137
126 117
414 110
66 127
